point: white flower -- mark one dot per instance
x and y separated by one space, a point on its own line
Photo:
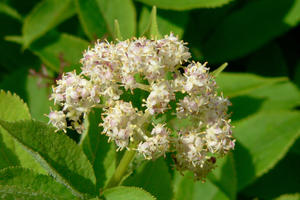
197 79
156 145
109 70
58 119
159 98
119 122
172 51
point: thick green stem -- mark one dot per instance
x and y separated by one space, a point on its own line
121 169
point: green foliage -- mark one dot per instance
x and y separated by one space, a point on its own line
225 176
10 11
123 11
91 18
148 175
271 19
259 40
167 21
257 151
14 192
151 30
24 178
184 5
186 188
286 171
101 154
12 108
38 98
124 193
45 16
117 33
56 153
54 50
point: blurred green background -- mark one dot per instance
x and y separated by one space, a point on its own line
260 39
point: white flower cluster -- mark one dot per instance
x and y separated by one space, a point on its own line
109 69
76 96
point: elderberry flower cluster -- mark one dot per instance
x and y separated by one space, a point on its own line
177 89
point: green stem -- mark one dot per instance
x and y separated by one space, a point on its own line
143 87
127 157
121 169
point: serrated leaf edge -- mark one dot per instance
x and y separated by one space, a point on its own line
284 151
44 163
14 95
29 191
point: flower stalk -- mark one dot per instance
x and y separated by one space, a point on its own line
121 169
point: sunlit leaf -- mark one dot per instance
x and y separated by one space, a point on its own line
263 140
152 27
45 16
123 11
12 108
125 193
185 5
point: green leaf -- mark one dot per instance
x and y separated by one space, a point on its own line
12 108
289 197
14 192
236 84
25 178
101 154
167 21
91 19
216 72
271 19
267 61
224 176
117 33
123 11
152 28
4 8
286 176
56 48
154 177
185 5
125 193
186 188
14 38
57 153
263 140
44 17
250 94
35 91
38 93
